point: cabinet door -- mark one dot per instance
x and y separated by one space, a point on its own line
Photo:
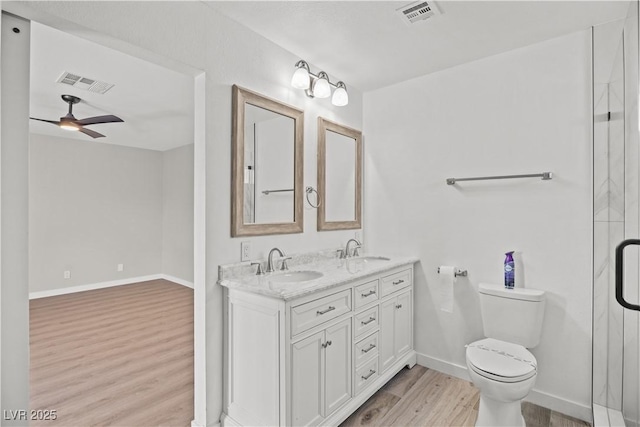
307 389
403 324
387 329
337 365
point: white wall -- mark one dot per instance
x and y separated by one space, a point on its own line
525 111
228 53
14 319
177 213
92 206
96 205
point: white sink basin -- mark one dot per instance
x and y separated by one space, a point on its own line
295 276
369 258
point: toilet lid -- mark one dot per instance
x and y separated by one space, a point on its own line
501 361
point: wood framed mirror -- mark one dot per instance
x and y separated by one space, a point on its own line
267 166
339 176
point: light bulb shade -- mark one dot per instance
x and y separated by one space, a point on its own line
68 125
321 87
340 96
301 79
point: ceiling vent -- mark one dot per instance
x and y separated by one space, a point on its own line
417 11
84 83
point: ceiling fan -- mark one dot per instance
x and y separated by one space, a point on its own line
69 122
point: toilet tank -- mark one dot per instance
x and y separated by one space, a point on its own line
512 315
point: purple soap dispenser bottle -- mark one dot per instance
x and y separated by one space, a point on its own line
509 271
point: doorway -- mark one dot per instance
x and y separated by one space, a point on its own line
198 274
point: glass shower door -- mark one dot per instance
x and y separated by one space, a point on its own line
628 279
626 291
616 186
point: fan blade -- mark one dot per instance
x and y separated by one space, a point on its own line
57 123
91 133
99 119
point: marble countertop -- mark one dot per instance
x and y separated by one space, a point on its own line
335 272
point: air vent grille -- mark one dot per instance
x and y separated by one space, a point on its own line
417 11
84 83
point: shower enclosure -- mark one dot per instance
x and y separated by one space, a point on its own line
616 187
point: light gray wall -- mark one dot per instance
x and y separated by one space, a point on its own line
95 205
14 137
92 206
524 111
177 213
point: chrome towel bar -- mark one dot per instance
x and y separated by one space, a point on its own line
544 175
267 192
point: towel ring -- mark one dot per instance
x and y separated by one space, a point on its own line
310 190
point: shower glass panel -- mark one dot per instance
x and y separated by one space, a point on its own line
616 166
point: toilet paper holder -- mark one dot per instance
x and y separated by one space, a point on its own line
457 273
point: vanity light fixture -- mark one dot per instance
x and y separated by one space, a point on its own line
301 79
321 88
340 96
318 85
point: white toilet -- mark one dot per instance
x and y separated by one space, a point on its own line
500 365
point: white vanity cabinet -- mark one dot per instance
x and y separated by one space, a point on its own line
313 359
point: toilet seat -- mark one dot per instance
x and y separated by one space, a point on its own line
501 361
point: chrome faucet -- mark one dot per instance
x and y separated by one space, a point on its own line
353 253
284 258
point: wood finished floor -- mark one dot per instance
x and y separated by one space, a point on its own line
120 356
123 357
424 397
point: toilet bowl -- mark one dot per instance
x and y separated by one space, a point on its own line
504 373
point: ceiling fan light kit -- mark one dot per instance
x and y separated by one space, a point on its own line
68 125
69 122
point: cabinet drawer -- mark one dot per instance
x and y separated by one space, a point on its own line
395 282
365 349
313 313
365 322
365 293
366 375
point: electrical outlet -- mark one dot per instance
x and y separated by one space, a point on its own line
245 251
67 274
120 267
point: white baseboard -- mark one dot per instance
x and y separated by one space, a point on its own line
558 404
109 284
439 365
177 280
539 398
194 423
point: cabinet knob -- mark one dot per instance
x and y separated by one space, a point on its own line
327 344
399 306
